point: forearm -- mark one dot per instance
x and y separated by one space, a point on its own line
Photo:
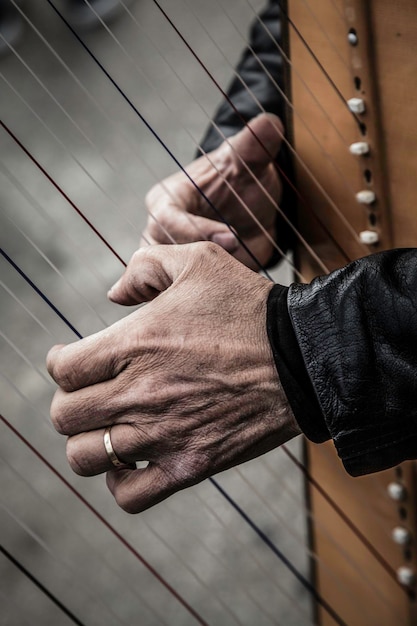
356 332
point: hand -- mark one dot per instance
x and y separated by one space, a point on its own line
178 212
187 383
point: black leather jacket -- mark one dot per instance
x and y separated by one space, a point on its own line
345 346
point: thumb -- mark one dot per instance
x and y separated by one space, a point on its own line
260 141
152 270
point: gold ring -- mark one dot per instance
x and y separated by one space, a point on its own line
109 449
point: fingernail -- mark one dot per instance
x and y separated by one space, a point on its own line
226 240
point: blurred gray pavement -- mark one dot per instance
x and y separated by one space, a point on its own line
67 114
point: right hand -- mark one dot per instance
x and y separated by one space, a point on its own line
179 214
187 383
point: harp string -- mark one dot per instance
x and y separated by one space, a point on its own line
55 269
325 32
62 192
320 65
78 210
212 511
84 169
40 543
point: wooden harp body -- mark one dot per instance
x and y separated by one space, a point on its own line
363 55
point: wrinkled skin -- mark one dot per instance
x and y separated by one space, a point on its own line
179 213
187 383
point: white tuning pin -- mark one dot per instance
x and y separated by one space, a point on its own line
359 148
397 491
406 576
353 38
366 196
401 535
356 105
369 237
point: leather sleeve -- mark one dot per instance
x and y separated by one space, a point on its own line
356 333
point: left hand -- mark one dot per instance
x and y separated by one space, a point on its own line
240 179
187 383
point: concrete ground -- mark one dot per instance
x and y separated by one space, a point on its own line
68 115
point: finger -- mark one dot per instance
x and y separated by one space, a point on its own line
93 359
87 455
176 224
88 408
135 491
260 141
153 269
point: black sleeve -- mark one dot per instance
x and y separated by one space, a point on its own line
260 70
355 338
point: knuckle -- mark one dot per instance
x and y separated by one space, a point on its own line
62 373
127 502
207 249
189 469
76 462
57 416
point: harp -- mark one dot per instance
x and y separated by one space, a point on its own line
196 558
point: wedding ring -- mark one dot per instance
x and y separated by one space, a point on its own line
109 449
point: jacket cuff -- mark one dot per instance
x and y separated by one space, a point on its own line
291 367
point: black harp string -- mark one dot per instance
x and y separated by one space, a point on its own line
63 565
363 539
330 80
40 586
343 552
